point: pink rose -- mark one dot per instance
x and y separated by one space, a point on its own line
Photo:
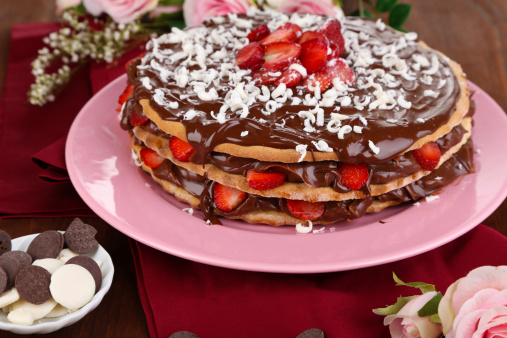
195 11
320 7
62 5
120 10
476 305
407 323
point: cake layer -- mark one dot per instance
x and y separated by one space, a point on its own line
198 192
404 95
407 169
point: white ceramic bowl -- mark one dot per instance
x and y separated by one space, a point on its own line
47 325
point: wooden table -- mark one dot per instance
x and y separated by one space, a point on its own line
472 32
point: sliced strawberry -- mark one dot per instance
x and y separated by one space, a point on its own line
264 180
353 176
313 55
151 158
310 35
306 211
136 119
338 68
428 155
331 28
286 34
127 92
320 80
250 56
262 76
181 150
335 52
280 55
292 26
227 198
340 45
258 33
290 77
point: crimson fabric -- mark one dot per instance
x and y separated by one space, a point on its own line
26 129
180 295
31 134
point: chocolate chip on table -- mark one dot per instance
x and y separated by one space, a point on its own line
80 237
11 267
183 334
24 258
90 265
46 245
3 280
311 333
5 242
32 284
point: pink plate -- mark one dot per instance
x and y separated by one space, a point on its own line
103 172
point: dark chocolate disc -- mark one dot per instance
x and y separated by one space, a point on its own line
3 280
80 237
11 266
311 333
90 265
24 258
32 283
46 245
5 242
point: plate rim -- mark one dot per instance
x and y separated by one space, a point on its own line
279 267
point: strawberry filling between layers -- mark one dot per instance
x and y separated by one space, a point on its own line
323 173
198 186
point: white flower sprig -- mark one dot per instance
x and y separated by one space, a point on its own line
77 43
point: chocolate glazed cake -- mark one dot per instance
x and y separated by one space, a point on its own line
281 119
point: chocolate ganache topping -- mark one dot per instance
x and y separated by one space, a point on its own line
402 91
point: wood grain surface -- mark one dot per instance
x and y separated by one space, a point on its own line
472 32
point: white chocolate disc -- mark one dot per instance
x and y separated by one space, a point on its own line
50 264
37 311
58 311
67 254
9 297
21 317
72 286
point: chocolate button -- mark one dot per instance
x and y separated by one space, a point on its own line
32 283
46 245
11 267
3 280
90 265
24 258
80 237
5 242
312 333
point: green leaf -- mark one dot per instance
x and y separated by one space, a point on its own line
367 14
393 309
169 17
179 23
384 6
338 3
435 318
424 287
431 307
170 3
399 14
79 9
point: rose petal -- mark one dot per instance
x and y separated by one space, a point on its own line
495 317
478 279
445 307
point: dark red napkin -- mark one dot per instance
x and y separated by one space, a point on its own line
180 295
32 139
